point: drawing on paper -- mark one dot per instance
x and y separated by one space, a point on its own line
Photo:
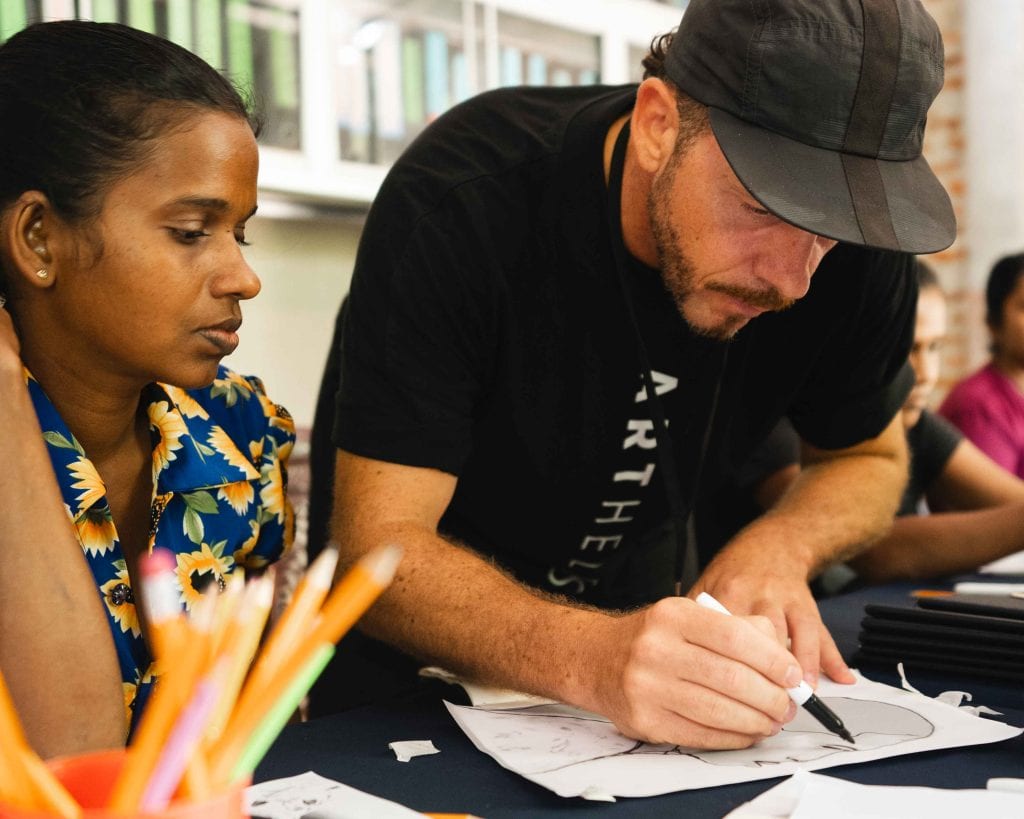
876 725
575 753
563 737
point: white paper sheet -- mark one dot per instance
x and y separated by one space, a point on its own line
316 797
1011 564
812 796
569 751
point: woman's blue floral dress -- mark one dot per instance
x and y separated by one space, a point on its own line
219 499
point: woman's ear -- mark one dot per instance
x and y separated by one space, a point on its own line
655 124
28 232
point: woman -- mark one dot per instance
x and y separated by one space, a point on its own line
127 176
988 406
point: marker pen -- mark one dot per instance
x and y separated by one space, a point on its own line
803 695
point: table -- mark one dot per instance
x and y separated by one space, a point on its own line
352 747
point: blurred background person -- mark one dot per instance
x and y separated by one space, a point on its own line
960 509
988 406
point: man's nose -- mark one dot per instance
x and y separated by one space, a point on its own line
791 259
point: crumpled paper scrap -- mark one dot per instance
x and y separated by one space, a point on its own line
407 749
953 698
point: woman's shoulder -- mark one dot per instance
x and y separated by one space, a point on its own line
984 394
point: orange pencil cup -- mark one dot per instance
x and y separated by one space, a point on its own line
90 779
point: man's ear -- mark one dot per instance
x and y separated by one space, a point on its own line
28 233
655 124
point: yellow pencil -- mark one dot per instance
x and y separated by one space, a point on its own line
195 782
13 788
227 603
26 781
244 642
160 602
50 795
169 695
296 620
351 597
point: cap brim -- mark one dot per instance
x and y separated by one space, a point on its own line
901 205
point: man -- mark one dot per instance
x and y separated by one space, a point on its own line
538 286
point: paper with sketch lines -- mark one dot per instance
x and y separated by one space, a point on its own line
572 752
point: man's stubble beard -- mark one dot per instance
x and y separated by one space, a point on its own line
677 272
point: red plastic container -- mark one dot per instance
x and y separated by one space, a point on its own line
90 778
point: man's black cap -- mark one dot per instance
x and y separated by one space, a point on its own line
820 108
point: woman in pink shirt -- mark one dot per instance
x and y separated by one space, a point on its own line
988 406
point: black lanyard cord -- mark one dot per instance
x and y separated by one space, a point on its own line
686 557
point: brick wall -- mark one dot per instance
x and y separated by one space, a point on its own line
945 149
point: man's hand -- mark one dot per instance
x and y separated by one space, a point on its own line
681 674
841 501
772 582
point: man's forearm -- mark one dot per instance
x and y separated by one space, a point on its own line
449 606
835 509
671 672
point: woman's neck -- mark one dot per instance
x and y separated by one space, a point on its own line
100 409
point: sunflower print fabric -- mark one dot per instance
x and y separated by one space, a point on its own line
219 499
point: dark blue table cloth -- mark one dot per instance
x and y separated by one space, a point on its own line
352 747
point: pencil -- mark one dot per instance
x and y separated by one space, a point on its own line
297 618
349 599
50 795
237 643
227 603
278 716
26 781
169 695
160 601
244 640
182 742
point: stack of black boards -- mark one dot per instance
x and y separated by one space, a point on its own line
970 634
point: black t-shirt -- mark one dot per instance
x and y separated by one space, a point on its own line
932 441
721 512
485 335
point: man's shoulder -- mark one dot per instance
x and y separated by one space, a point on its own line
537 110
492 168
500 131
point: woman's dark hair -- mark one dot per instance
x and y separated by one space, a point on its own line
82 104
1001 282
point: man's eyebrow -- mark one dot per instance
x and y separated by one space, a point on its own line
209 203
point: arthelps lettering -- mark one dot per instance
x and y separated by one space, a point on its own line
633 477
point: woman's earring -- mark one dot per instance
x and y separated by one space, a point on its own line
41 273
